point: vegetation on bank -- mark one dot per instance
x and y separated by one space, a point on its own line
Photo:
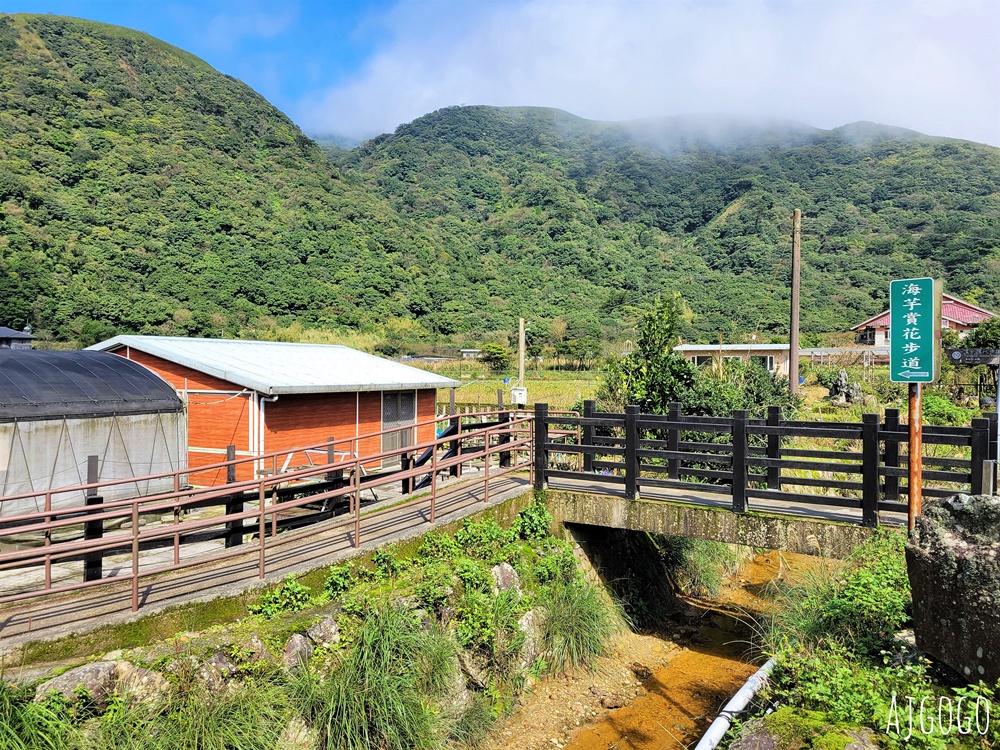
432 649
842 669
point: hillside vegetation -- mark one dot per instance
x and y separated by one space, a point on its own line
143 191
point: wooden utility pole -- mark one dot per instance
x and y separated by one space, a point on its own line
520 352
915 457
793 342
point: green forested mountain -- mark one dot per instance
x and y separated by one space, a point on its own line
143 191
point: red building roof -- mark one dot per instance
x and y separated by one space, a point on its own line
952 308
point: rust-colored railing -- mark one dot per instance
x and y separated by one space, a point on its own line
508 439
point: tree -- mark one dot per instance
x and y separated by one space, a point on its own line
985 336
495 357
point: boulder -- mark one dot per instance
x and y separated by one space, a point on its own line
297 653
297 735
98 679
324 633
471 669
505 578
953 563
531 625
214 672
142 685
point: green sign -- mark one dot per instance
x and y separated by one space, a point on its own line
914 330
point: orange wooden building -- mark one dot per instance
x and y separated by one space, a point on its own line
265 396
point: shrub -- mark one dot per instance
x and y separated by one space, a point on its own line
556 565
473 574
290 596
534 522
438 545
486 540
339 578
578 625
939 410
387 565
434 584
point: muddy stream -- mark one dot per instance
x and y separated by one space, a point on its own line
693 670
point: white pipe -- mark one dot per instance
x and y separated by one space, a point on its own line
262 425
718 728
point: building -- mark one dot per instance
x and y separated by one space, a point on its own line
58 408
264 396
772 357
956 314
11 339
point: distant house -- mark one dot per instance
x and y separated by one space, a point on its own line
11 339
956 314
470 353
264 396
772 357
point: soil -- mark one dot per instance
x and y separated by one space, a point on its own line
656 691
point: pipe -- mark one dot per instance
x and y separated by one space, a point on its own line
261 425
718 728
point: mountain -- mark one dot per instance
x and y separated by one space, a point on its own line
143 191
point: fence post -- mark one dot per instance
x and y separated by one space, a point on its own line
93 562
989 473
404 465
456 447
541 438
980 452
773 448
740 461
992 416
234 503
674 440
869 469
504 437
589 407
631 452
891 457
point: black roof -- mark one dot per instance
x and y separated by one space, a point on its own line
53 385
10 333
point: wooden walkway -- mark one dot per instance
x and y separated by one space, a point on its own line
62 615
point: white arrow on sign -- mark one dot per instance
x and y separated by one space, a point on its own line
911 373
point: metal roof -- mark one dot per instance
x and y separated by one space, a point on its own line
10 333
275 368
36 385
713 348
952 308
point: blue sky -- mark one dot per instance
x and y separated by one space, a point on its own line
360 68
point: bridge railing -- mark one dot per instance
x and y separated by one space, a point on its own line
842 464
153 534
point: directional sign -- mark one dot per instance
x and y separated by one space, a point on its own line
973 357
914 330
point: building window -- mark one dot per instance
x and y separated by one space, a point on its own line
399 409
701 361
765 361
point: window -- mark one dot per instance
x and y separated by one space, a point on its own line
703 361
765 361
399 409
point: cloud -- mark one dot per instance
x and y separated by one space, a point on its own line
226 30
929 65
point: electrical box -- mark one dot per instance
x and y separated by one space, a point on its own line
519 396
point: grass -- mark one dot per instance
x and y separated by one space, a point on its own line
560 390
578 625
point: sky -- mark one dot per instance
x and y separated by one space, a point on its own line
359 68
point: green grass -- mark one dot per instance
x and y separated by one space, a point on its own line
578 625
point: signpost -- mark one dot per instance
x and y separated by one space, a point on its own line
915 358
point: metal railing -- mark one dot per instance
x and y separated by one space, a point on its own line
501 446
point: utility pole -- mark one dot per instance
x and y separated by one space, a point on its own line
520 352
793 339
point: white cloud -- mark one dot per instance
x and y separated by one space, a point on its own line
930 65
224 31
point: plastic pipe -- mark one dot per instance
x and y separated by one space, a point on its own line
717 730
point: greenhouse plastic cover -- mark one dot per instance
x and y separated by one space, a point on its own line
53 385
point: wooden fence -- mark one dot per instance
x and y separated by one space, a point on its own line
758 458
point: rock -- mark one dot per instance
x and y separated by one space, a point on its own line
297 653
214 672
475 673
98 679
142 685
953 563
641 671
612 701
447 615
324 633
251 651
530 624
457 698
505 578
297 736
861 739
406 602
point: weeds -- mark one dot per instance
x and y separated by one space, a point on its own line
578 625
290 596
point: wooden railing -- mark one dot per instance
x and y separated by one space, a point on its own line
757 458
256 514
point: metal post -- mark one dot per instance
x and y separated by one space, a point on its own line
869 470
93 562
915 458
589 407
499 399
541 457
740 461
891 457
980 454
357 503
793 340
504 438
234 503
486 470
774 448
674 440
404 465
520 352
631 452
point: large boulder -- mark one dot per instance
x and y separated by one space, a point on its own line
505 578
142 685
324 633
953 563
297 653
96 681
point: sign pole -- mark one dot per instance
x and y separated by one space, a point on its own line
915 456
793 337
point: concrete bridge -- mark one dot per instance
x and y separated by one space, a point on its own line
731 480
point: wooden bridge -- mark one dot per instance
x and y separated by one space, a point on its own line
78 560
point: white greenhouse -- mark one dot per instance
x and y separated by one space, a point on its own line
58 408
